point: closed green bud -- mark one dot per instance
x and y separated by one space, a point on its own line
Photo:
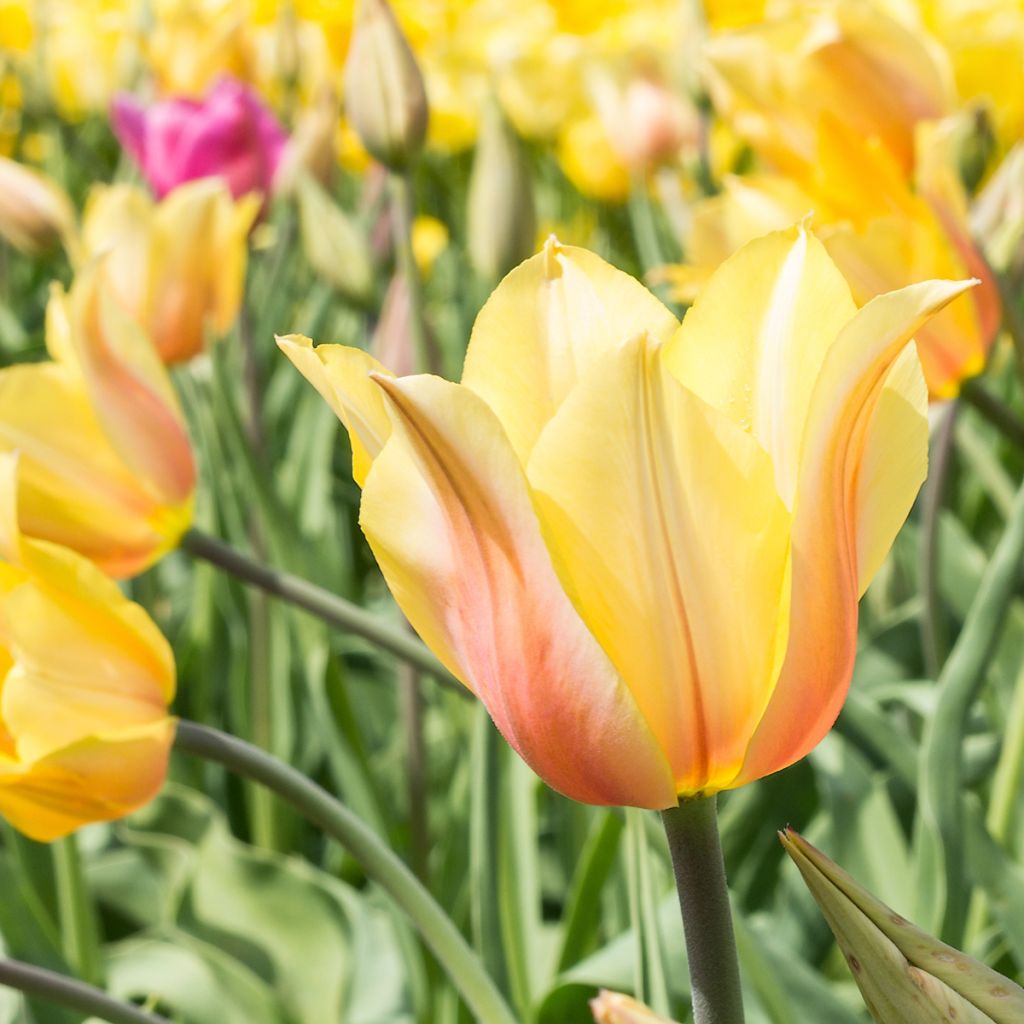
502 223
337 250
905 975
385 98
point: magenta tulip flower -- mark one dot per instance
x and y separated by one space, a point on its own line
229 134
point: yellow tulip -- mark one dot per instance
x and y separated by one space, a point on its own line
106 466
641 544
775 81
616 1008
85 680
177 266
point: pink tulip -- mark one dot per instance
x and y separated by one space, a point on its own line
229 134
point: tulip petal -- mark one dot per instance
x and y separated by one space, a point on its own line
816 672
544 326
668 534
342 376
753 343
893 464
96 779
447 512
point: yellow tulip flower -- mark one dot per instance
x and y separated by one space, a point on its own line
177 266
85 680
106 465
774 81
35 212
641 544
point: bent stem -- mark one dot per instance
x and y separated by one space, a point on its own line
378 861
75 995
692 831
324 605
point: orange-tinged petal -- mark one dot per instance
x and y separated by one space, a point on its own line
342 376
816 672
447 512
665 526
753 343
542 328
95 779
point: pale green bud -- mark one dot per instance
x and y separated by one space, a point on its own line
904 974
385 98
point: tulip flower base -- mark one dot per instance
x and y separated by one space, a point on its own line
692 832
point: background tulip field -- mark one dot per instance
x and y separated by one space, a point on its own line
200 176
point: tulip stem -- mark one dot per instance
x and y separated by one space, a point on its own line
78 928
997 412
379 862
75 995
327 607
692 831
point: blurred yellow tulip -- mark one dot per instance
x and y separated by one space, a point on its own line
774 81
106 465
177 266
616 1008
85 680
641 544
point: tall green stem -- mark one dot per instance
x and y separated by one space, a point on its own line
327 607
692 831
378 861
75 995
78 929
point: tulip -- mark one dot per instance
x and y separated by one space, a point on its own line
178 266
774 81
385 98
229 134
35 213
903 973
106 466
641 544
85 680
615 1008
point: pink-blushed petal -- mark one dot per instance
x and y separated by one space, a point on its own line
128 119
816 673
448 514
665 527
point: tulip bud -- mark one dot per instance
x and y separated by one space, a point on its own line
997 216
385 98
615 1008
35 213
502 222
903 973
336 248
311 146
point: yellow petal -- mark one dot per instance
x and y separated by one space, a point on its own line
816 672
547 322
96 779
447 512
893 464
753 343
342 376
664 524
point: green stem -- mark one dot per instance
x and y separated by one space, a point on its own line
692 831
934 641
75 995
1008 778
78 929
327 607
378 861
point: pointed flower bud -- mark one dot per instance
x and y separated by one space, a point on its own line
903 973
337 249
502 221
35 213
615 1008
385 98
